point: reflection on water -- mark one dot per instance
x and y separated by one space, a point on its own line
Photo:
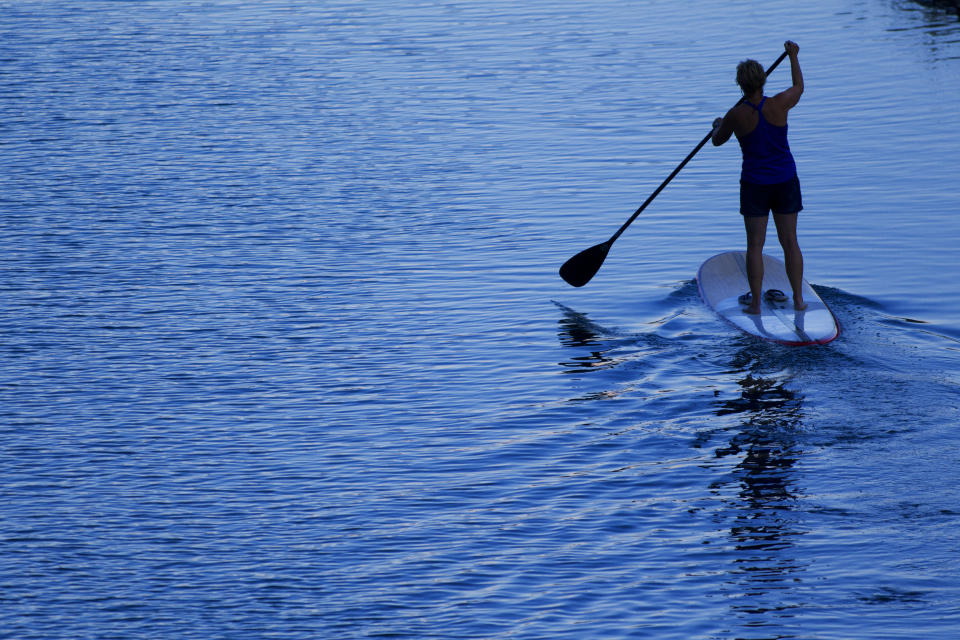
936 10
761 529
939 22
577 330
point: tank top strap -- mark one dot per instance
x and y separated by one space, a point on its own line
757 107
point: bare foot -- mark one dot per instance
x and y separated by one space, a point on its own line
753 309
799 304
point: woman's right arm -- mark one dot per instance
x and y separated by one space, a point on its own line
789 98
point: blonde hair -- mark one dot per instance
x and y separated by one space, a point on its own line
750 76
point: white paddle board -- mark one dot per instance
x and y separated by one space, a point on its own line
723 279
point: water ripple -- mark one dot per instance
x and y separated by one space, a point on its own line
280 357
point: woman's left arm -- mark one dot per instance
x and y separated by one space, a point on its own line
722 130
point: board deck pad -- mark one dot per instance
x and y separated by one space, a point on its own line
723 278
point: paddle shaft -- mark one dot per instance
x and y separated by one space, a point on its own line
680 166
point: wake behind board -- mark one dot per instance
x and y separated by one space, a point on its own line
723 278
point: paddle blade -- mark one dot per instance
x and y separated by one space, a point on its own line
578 270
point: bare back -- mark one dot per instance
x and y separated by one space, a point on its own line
744 117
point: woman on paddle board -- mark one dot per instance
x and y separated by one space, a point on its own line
768 179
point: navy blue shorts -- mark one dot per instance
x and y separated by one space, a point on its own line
760 199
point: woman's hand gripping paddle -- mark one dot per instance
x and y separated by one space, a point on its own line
579 269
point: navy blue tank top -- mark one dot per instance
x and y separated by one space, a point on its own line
766 154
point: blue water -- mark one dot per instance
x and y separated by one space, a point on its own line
285 353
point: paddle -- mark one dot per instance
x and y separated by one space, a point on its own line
579 269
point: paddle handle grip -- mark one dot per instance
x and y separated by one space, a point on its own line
681 165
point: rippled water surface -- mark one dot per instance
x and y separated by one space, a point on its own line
285 353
